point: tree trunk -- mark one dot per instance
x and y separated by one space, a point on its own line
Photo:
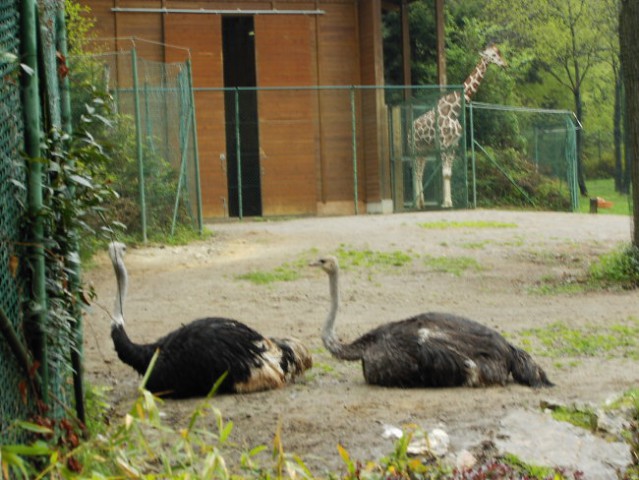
629 43
620 184
580 143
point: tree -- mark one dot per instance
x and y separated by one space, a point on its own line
611 56
564 35
629 46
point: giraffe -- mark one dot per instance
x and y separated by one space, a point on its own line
445 118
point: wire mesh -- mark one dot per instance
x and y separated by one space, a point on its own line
525 157
427 132
155 166
11 200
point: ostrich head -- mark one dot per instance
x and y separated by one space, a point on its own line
328 264
116 253
492 55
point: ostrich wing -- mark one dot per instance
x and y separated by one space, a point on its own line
434 350
193 357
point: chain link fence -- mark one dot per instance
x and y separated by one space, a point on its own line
12 199
523 157
153 143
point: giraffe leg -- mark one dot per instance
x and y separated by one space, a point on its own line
447 173
418 180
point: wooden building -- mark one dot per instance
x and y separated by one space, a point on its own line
296 148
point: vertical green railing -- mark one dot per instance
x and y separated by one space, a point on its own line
138 141
472 153
73 256
196 157
238 153
32 145
354 148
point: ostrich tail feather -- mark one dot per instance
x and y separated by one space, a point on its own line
526 371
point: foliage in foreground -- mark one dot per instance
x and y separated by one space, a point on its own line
141 445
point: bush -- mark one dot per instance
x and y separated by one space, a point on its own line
517 183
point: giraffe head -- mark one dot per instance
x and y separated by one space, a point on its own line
491 55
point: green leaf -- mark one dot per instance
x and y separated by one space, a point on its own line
34 427
37 449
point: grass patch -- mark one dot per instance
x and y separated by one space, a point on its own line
605 188
551 285
288 272
559 340
349 257
618 268
454 265
584 418
444 224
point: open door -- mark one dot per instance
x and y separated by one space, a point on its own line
243 156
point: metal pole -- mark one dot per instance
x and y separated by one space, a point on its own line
238 153
196 158
32 141
72 260
354 145
138 142
472 154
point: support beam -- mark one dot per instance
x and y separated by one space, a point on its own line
441 43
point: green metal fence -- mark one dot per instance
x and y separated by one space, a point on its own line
422 132
39 360
12 200
161 189
523 157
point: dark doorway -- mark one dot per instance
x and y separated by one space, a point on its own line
243 174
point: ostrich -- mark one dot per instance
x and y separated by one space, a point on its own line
430 349
193 357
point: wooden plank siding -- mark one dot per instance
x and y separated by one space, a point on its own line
202 34
287 118
305 136
338 52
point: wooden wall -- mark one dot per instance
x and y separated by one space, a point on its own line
306 154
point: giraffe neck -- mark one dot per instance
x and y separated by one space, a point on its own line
471 84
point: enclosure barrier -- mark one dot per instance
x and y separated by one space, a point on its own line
155 100
39 352
530 151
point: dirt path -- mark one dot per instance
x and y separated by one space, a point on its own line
173 285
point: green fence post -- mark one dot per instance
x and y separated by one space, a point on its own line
196 158
238 153
472 153
73 256
138 141
32 141
354 146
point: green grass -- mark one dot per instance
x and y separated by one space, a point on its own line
560 340
350 257
605 189
454 265
284 273
443 224
584 418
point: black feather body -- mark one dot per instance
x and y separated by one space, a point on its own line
443 350
194 357
430 349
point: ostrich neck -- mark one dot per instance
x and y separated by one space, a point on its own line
331 342
122 280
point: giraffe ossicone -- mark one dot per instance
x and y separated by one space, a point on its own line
441 126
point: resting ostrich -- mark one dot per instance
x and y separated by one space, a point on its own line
193 357
430 350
